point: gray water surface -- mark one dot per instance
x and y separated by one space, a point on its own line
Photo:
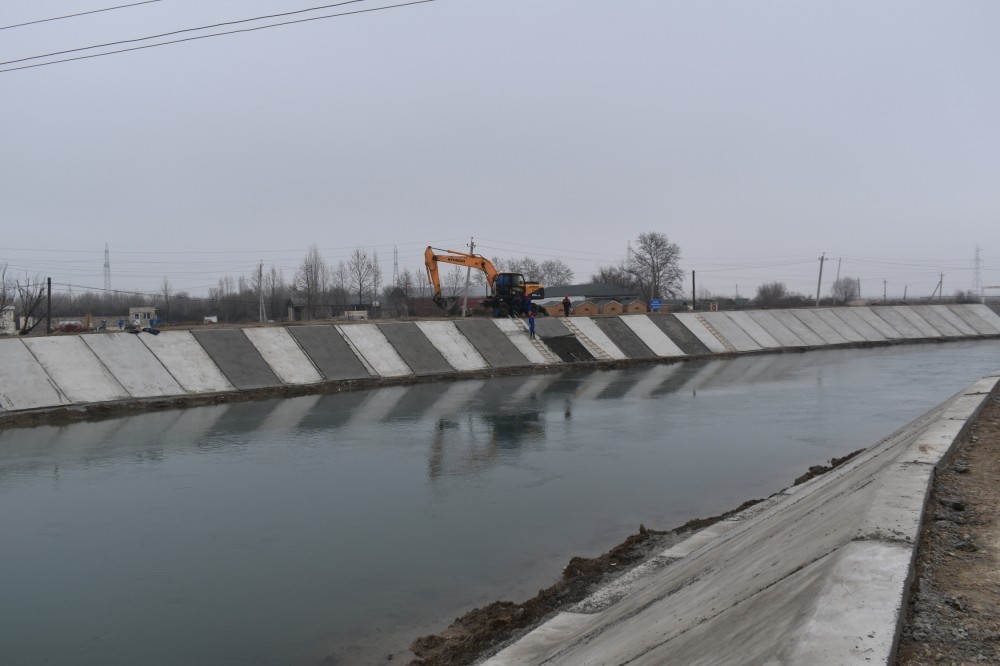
342 526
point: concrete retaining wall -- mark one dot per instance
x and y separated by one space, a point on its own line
56 371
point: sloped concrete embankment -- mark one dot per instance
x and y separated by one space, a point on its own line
817 574
78 372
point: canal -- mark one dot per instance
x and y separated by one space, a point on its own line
340 527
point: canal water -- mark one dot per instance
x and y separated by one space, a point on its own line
339 527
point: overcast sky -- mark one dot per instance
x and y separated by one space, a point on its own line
756 135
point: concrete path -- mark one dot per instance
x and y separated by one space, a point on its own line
815 575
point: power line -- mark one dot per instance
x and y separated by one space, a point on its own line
178 32
92 11
191 39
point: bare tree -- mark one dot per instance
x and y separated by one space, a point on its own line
771 294
617 276
655 267
311 279
845 289
275 288
167 294
453 282
555 273
361 272
30 296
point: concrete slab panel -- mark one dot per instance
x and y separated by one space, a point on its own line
375 349
820 327
594 333
796 326
776 329
186 361
24 384
76 370
736 336
238 359
940 324
328 350
418 352
986 314
752 328
519 338
918 322
132 364
652 336
279 349
945 313
972 317
491 343
624 338
454 346
551 327
841 630
690 321
897 321
881 325
858 323
833 319
680 334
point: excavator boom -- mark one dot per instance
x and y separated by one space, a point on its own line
504 287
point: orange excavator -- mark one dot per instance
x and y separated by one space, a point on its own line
507 290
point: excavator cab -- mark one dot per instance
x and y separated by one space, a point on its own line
509 284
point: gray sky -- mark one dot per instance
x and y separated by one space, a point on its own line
756 135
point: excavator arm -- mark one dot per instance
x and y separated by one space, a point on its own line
433 256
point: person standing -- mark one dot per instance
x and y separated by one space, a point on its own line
531 322
566 304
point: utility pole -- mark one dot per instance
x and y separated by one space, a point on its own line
819 283
941 288
694 300
859 289
839 259
905 287
468 278
48 307
884 283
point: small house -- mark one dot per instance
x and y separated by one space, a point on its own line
584 309
635 306
611 307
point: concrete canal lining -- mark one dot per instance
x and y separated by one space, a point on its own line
817 574
859 324
491 343
280 351
132 364
753 328
418 352
652 336
238 359
186 361
454 346
24 384
687 341
624 337
819 327
65 370
780 332
329 352
596 335
80 375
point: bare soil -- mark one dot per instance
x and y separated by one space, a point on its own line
953 616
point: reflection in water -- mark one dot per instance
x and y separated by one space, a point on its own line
285 531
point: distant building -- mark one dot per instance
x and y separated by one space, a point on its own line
142 315
7 323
